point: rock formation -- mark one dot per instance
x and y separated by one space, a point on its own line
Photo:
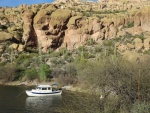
29 36
71 23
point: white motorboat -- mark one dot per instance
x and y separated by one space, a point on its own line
43 90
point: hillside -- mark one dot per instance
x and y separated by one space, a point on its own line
72 28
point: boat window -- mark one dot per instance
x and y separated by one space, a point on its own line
49 88
44 88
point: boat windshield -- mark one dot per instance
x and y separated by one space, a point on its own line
39 88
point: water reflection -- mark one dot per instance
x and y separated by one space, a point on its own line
46 104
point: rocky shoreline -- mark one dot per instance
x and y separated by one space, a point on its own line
28 84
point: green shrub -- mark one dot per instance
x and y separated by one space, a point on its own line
22 57
146 52
90 42
43 72
81 48
68 58
30 74
55 54
23 64
129 25
141 36
143 107
31 50
108 43
87 14
62 51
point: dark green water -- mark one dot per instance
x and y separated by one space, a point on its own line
14 100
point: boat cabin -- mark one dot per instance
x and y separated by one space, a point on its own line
43 87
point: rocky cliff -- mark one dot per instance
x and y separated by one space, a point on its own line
71 23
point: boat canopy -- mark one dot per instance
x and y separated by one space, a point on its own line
43 86
55 85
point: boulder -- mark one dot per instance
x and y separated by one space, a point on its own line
138 44
73 21
147 44
59 18
122 48
43 16
21 47
130 46
13 46
5 36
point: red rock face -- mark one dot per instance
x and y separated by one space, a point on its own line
29 36
51 26
57 25
142 20
84 29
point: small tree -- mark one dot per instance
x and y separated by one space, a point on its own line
43 72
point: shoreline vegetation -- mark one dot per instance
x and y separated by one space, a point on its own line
122 84
32 83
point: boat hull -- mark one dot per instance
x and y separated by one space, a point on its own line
30 93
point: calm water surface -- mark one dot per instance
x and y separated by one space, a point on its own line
14 100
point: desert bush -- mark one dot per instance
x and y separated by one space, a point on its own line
57 61
8 73
98 49
117 76
129 25
56 54
146 52
68 77
56 72
143 107
22 57
87 14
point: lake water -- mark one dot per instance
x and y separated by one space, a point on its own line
14 100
